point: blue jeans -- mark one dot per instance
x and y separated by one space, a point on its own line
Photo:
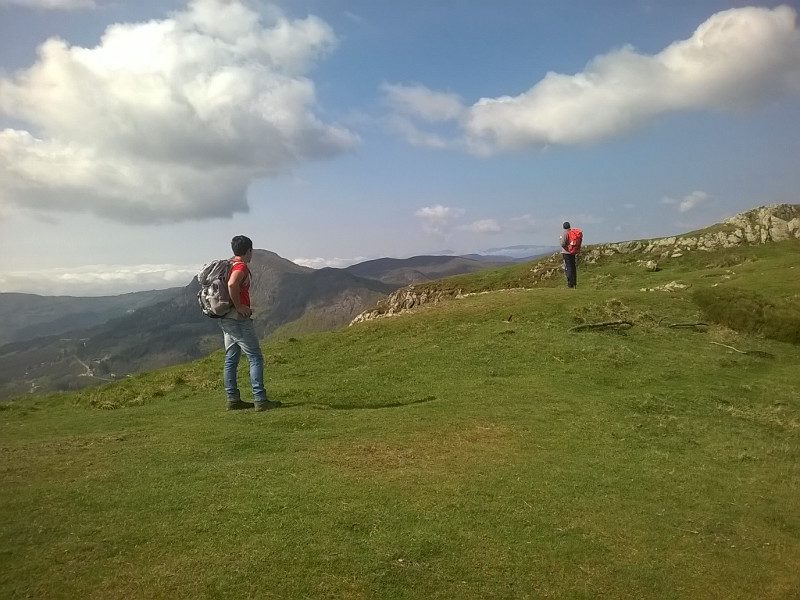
240 336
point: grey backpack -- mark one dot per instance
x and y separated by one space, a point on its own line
214 299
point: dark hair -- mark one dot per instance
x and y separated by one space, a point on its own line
241 244
567 225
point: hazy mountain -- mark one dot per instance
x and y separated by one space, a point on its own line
416 269
520 252
28 316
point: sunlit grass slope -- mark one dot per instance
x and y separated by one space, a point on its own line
472 449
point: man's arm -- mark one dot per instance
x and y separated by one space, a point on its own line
235 291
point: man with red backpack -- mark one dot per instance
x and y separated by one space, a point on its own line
571 241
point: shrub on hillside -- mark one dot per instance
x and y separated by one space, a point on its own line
749 311
783 323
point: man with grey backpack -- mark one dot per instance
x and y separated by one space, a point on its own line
225 294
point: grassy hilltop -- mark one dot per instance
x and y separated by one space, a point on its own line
476 448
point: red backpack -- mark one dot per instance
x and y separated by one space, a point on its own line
574 240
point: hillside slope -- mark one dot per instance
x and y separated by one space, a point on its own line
477 448
758 226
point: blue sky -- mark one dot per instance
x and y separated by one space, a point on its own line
334 131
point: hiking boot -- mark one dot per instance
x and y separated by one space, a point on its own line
268 405
239 405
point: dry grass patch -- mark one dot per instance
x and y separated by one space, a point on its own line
777 416
430 452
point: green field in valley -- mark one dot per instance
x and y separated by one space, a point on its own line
476 448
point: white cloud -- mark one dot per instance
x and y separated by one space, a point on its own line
483 226
417 102
167 120
736 59
97 280
438 219
321 263
414 135
51 4
688 202
422 102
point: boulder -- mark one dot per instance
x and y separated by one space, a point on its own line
779 230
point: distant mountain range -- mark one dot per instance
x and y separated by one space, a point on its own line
405 271
520 252
57 343
28 316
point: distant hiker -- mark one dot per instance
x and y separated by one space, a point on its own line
240 334
571 241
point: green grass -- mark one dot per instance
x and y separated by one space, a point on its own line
446 453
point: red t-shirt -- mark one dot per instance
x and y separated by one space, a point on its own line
244 287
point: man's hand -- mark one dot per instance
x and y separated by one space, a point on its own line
245 311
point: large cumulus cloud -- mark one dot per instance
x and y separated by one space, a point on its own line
736 59
167 120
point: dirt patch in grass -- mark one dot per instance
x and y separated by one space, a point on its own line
612 309
430 452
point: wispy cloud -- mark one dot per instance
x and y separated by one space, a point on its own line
416 103
321 263
438 219
51 4
737 59
523 224
167 120
688 202
422 102
415 136
483 226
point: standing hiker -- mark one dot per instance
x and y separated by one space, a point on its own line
571 241
239 331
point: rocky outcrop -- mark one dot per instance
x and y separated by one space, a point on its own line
405 299
758 226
